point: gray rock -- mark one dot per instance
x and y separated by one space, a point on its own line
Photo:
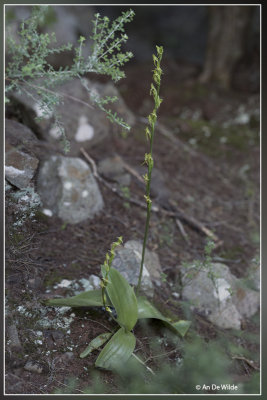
152 262
21 154
20 136
67 187
224 301
12 332
20 167
90 284
254 273
112 168
33 366
247 301
84 123
127 261
20 161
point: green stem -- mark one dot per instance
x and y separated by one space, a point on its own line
150 167
143 251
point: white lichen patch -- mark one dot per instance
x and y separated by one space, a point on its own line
85 131
23 310
85 193
90 284
222 290
27 203
63 310
67 185
55 132
60 321
65 283
86 284
47 212
12 171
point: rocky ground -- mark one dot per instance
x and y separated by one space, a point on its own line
61 219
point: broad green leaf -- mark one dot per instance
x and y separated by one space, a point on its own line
91 298
182 326
95 343
148 310
117 351
123 298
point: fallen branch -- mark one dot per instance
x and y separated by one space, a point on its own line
130 169
249 362
177 214
181 229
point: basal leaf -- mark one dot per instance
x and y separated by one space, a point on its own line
91 298
123 298
95 343
117 351
148 310
182 326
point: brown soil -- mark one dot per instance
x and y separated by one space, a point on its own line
205 183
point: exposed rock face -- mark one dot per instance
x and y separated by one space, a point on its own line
20 162
127 261
67 188
224 300
20 167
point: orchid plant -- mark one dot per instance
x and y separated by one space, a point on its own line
115 291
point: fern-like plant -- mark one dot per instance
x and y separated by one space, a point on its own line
28 71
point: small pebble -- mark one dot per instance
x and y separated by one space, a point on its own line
33 366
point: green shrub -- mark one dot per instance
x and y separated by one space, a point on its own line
29 73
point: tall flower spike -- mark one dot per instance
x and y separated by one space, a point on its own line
152 118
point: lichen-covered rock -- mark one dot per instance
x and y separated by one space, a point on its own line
68 189
223 299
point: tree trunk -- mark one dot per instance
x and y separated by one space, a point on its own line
226 42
